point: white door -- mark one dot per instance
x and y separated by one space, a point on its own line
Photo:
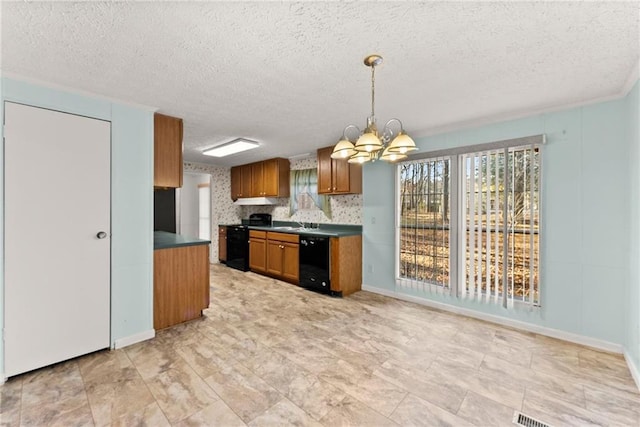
57 265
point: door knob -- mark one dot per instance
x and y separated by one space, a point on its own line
101 235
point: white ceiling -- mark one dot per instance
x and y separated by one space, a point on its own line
290 74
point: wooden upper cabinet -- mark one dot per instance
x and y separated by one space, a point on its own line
167 138
269 178
245 188
275 177
257 184
325 174
240 182
337 176
236 182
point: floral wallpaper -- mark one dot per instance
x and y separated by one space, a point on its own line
345 209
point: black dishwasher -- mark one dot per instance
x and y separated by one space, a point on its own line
314 263
238 247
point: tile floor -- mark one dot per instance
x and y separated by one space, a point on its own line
269 353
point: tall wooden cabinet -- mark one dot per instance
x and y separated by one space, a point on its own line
337 176
167 154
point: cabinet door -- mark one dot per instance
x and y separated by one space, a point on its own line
167 138
341 176
270 183
222 243
291 262
257 186
245 188
275 255
258 255
236 182
325 185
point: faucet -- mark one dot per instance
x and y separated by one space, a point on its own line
301 224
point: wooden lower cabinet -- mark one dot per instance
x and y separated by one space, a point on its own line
346 264
283 260
283 256
180 284
291 262
275 254
258 251
278 255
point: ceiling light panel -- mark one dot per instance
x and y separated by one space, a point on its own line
231 147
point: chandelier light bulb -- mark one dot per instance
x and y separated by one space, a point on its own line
343 149
402 144
368 142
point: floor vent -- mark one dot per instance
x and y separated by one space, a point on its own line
526 421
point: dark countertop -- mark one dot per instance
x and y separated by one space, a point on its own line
165 240
330 230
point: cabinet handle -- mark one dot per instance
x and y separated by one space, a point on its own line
329 189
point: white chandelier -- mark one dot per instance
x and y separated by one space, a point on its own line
370 145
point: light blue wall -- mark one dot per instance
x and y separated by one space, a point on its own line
585 262
632 343
132 221
132 200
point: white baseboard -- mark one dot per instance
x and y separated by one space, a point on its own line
635 370
133 339
542 330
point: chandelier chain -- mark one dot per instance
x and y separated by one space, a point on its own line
373 90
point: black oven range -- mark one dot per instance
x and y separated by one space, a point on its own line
238 240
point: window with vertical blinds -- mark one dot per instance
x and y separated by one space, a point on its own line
468 222
424 222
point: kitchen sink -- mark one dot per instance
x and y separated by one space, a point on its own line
289 228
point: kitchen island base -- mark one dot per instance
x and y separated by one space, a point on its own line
180 284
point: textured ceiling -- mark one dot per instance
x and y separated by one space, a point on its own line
290 75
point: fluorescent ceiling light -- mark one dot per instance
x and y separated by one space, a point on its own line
231 147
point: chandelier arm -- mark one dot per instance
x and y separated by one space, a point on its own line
387 125
387 133
344 132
